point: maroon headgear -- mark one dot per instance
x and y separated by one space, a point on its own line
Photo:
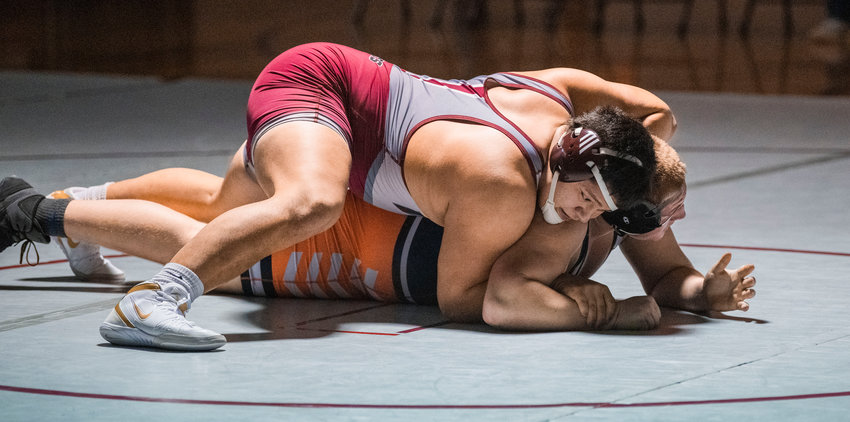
579 156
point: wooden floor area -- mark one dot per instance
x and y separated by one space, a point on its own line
442 38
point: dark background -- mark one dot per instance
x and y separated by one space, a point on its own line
442 38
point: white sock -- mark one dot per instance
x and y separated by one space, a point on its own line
89 193
173 273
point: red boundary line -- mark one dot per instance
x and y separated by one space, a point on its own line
689 245
346 313
436 324
326 330
756 248
57 261
299 325
414 406
438 406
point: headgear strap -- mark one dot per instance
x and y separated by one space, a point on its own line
577 157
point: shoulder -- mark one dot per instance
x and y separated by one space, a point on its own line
495 195
564 76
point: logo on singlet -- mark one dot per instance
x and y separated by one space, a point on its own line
378 61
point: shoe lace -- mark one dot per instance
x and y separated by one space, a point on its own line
26 247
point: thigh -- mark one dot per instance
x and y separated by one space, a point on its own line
303 158
237 188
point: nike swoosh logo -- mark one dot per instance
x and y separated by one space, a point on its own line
71 243
139 311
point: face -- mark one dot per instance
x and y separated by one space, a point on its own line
579 201
672 211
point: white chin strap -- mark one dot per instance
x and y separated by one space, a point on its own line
602 187
551 216
549 213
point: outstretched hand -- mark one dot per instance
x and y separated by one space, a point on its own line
729 290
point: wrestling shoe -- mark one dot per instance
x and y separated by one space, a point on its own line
85 258
18 202
154 316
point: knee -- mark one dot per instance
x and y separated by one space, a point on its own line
319 208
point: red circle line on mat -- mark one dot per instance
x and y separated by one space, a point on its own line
415 406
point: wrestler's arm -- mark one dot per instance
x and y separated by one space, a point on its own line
669 277
478 226
522 292
588 91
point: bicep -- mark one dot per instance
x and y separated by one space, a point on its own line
537 259
471 244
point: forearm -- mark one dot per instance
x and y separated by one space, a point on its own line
532 305
681 288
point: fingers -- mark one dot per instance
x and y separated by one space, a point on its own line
582 306
748 282
610 307
720 266
600 308
747 294
592 315
745 270
603 309
595 315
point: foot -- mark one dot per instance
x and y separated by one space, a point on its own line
18 201
153 316
636 313
85 258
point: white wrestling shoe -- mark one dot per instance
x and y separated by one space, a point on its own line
152 316
85 259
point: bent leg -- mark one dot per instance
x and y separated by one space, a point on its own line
140 228
198 194
303 168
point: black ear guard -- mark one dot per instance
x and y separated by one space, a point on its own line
640 219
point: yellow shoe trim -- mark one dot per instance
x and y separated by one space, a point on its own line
59 194
123 318
144 286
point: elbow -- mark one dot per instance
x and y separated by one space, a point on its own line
661 123
492 316
673 124
461 312
496 314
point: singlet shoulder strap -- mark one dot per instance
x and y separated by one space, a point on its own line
515 80
582 255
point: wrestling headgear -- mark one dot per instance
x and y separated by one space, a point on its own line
577 157
644 217
639 219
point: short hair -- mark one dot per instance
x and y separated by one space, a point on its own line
627 182
669 173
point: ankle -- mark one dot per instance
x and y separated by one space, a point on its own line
178 274
50 214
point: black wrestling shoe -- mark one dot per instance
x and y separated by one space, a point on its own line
18 201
